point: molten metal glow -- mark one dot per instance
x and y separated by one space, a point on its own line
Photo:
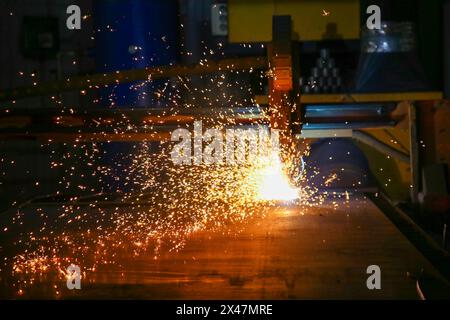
273 182
166 203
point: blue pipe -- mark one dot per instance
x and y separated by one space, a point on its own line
132 34
135 34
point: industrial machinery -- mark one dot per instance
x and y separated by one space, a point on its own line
307 94
297 114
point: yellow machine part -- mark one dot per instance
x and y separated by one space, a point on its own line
393 176
313 20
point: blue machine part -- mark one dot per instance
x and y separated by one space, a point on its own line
132 34
340 165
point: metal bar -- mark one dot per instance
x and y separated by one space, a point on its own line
362 98
139 113
346 110
380 146
414 153
319 134
371 97
414 233
51 137
349 125
25 120
446 44
96 80
144 123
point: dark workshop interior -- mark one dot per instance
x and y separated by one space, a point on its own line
225 149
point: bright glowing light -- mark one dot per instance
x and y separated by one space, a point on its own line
273 183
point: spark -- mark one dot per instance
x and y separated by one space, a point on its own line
166 204
273 183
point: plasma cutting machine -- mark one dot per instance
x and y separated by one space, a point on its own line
298 111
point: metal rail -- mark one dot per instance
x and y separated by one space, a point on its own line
154 124
98 80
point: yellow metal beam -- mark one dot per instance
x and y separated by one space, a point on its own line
251 20
363 97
